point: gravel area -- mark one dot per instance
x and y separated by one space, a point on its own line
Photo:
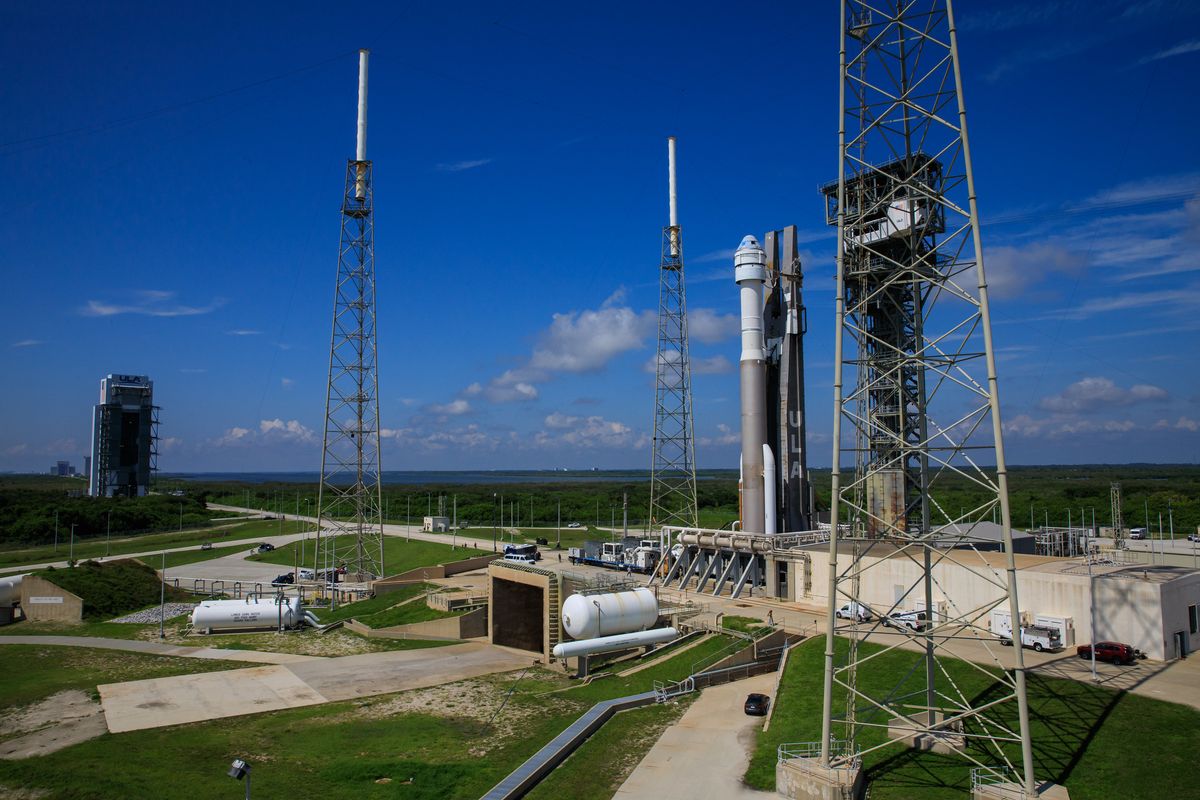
170 610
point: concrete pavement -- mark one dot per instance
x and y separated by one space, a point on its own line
159 702
705 754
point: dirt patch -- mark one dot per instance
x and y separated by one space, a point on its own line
59 721
479 700
23 794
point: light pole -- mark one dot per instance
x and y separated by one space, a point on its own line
408 521
71 559
558 535
454 526
493 522
162 596
108 535
181 516
56 532
1092 607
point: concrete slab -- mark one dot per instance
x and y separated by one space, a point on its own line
159 702
705 754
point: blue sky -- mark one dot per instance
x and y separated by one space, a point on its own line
171 176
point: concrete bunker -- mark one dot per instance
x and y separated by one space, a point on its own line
523 612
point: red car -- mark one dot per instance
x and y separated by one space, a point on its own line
1113 652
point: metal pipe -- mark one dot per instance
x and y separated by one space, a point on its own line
750 272
360 152
769 501
674 204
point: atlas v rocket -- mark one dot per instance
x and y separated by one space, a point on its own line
776 494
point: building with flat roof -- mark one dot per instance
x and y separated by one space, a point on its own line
124 437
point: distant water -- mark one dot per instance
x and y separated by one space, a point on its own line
400 477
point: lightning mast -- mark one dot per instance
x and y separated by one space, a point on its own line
673 467
349 502
915 386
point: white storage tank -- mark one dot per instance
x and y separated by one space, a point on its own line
252 612
586 616
10 590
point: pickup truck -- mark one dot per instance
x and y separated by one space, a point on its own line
1038 638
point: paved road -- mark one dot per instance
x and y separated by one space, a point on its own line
158 702
159 649
705 754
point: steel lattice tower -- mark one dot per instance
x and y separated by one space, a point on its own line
673 469
915 385
349 503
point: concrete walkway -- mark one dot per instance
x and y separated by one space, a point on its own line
159 702
160 649
705 754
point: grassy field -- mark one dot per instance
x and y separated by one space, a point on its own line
750 625
399 555
31 672
451 742
1085 737
96 548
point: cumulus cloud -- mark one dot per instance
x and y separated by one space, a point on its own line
463 166
27 343
585 341
1054 427
714 365
709 327
242 332
468 437
233 436
585 432
291 430
1096 394
452 409
725 436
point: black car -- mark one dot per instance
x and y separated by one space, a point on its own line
265 547
284 579
757 704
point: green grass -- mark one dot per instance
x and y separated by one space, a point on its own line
749 625
32 672
112 588
399 555
1085 737
194 556
364 608
602 763
96 548
103 630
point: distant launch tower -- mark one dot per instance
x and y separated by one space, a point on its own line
915 384
349 516
673 470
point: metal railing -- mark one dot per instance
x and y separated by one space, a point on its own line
839 759
990 776
665 691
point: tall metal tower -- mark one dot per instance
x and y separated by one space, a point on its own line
349 515
1118 519
915 385
673 469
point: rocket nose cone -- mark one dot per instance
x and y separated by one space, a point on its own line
749 243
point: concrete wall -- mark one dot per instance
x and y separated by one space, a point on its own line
464 626
393 582
1177 596
519 609
1131 605
43 601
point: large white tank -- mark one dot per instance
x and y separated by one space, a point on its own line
10 590
586 616
251 612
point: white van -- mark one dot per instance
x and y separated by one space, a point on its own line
855 611
1038 638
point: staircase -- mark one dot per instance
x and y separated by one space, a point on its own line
553 596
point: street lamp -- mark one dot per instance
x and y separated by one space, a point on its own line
493 522
240 769
108 535
71 559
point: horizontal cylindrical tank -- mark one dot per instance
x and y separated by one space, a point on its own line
586 616
607 644
252 612
727 540
10 590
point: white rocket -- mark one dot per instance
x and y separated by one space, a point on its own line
750 272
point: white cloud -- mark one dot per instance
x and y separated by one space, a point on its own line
473 390
242 332
714 365
27 343
725 436
1182 424
1178 50
1095 394
452 409
1056 427
291 430
707 326
585 432
468 437
151 303
463 166
233 436
1011 270
510 386
287 383
585 341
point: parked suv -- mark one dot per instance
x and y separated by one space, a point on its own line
1113 652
